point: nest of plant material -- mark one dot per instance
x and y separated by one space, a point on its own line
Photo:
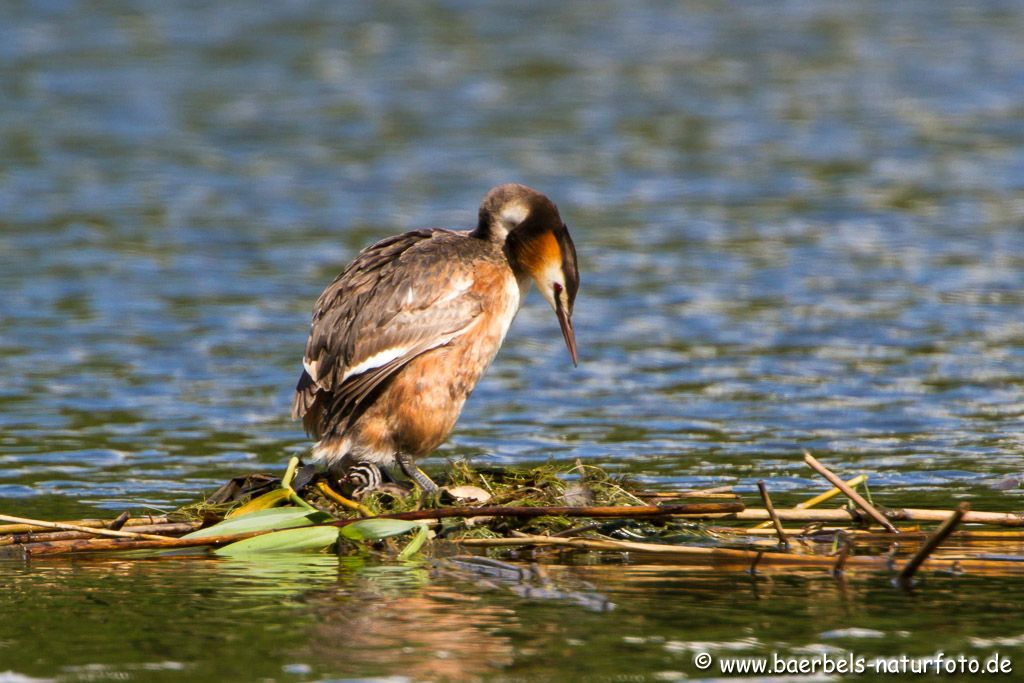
561 513
547 487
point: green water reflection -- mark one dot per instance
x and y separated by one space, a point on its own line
321 617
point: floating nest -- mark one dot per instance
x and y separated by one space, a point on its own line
560 513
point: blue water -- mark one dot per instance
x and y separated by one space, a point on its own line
799 226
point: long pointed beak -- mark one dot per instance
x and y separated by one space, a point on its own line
567 332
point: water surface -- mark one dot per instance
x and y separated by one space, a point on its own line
799 226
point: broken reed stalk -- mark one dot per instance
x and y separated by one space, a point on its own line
727 488
168 543
711 493
821 497
91 523
65 526
815 534
526 512
783 541
680 495
858 499
1009 519
171 529
971 517
89 545
120 521
933 542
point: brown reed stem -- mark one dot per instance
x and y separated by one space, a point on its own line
1006 519
609 511
91 523
933 542
65 526
858 499
821 498
120 521
169 530
783 541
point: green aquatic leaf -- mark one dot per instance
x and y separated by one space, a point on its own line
373 529
271 499
263 520
316 538
415 544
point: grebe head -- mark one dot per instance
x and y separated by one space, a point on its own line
538 244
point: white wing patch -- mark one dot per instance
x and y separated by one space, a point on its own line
378 359
311 368
456 289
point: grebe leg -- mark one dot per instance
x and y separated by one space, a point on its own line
416 474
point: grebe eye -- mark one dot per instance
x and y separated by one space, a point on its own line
558 289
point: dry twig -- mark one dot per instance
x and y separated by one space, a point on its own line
858 499
65 526
783 541
821 498
933 542
91 523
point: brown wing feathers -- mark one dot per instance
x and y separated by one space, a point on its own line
400 298
356 295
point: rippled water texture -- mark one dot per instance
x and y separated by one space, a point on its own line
800 225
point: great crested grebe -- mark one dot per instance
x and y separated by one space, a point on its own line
402 336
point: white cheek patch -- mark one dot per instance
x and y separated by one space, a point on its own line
549 277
